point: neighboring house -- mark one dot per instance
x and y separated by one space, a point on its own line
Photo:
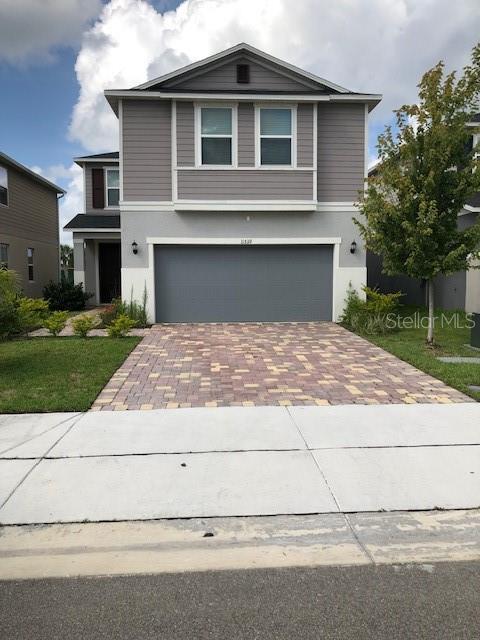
457 291
232 196
29 242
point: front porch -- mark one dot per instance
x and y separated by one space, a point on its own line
97 256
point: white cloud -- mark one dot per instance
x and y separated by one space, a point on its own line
30 29
71 179
376 46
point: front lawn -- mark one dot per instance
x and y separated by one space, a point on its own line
409 345
57 374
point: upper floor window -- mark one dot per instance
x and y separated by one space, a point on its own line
30 264
276 136
3 255
3 186
112 187
216 135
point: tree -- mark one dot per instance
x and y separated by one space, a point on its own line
426 173
66 256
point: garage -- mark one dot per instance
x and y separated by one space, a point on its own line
243 283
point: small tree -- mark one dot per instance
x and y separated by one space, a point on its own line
426 173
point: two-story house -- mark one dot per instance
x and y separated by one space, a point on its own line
29 242
232 195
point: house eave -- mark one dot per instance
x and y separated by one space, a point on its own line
114 95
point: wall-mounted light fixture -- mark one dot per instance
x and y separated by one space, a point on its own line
134 247
353 247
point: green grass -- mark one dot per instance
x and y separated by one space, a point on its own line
409 345
57 374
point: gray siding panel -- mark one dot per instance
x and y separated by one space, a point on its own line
243 283
245 185
246 135
185 134
30 221
147 152
224 78
341 152
305 135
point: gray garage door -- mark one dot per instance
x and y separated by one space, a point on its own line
243 283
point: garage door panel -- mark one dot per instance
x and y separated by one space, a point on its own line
243 283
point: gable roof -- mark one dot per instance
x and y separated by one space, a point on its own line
242 48
31 174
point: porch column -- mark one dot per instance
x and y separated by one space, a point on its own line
78 262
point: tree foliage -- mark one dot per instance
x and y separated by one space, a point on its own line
426 173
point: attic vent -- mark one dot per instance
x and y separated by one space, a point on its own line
243 73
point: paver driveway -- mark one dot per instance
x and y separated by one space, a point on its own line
197 365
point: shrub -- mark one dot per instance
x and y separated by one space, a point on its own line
65 296
9 292
32 312
17 314
120 326
55 322
133 310
371 315
109 313
82 325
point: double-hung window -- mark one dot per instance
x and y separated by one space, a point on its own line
276 136
3 255
3 186
112 187
216 136
30 264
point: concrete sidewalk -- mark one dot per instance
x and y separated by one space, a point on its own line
254 461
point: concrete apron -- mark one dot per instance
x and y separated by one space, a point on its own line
222 462
173 546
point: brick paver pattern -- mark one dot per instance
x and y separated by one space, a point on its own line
253 364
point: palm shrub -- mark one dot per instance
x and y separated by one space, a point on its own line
371 315
55 322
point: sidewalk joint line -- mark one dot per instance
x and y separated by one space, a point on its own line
362 547
58 424
39 460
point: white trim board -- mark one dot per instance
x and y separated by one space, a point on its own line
239 205
241 97
242 241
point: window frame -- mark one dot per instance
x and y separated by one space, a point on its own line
292 136
4 263
198 106
8 190
30 264
106 171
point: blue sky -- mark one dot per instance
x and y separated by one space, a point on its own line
57 57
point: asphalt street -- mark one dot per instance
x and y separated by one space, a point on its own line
420 602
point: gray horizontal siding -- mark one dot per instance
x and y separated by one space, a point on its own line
245 185
88 185
305 135
185 134
341 152
224 78
246 135
147 153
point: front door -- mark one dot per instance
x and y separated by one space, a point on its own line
109 263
